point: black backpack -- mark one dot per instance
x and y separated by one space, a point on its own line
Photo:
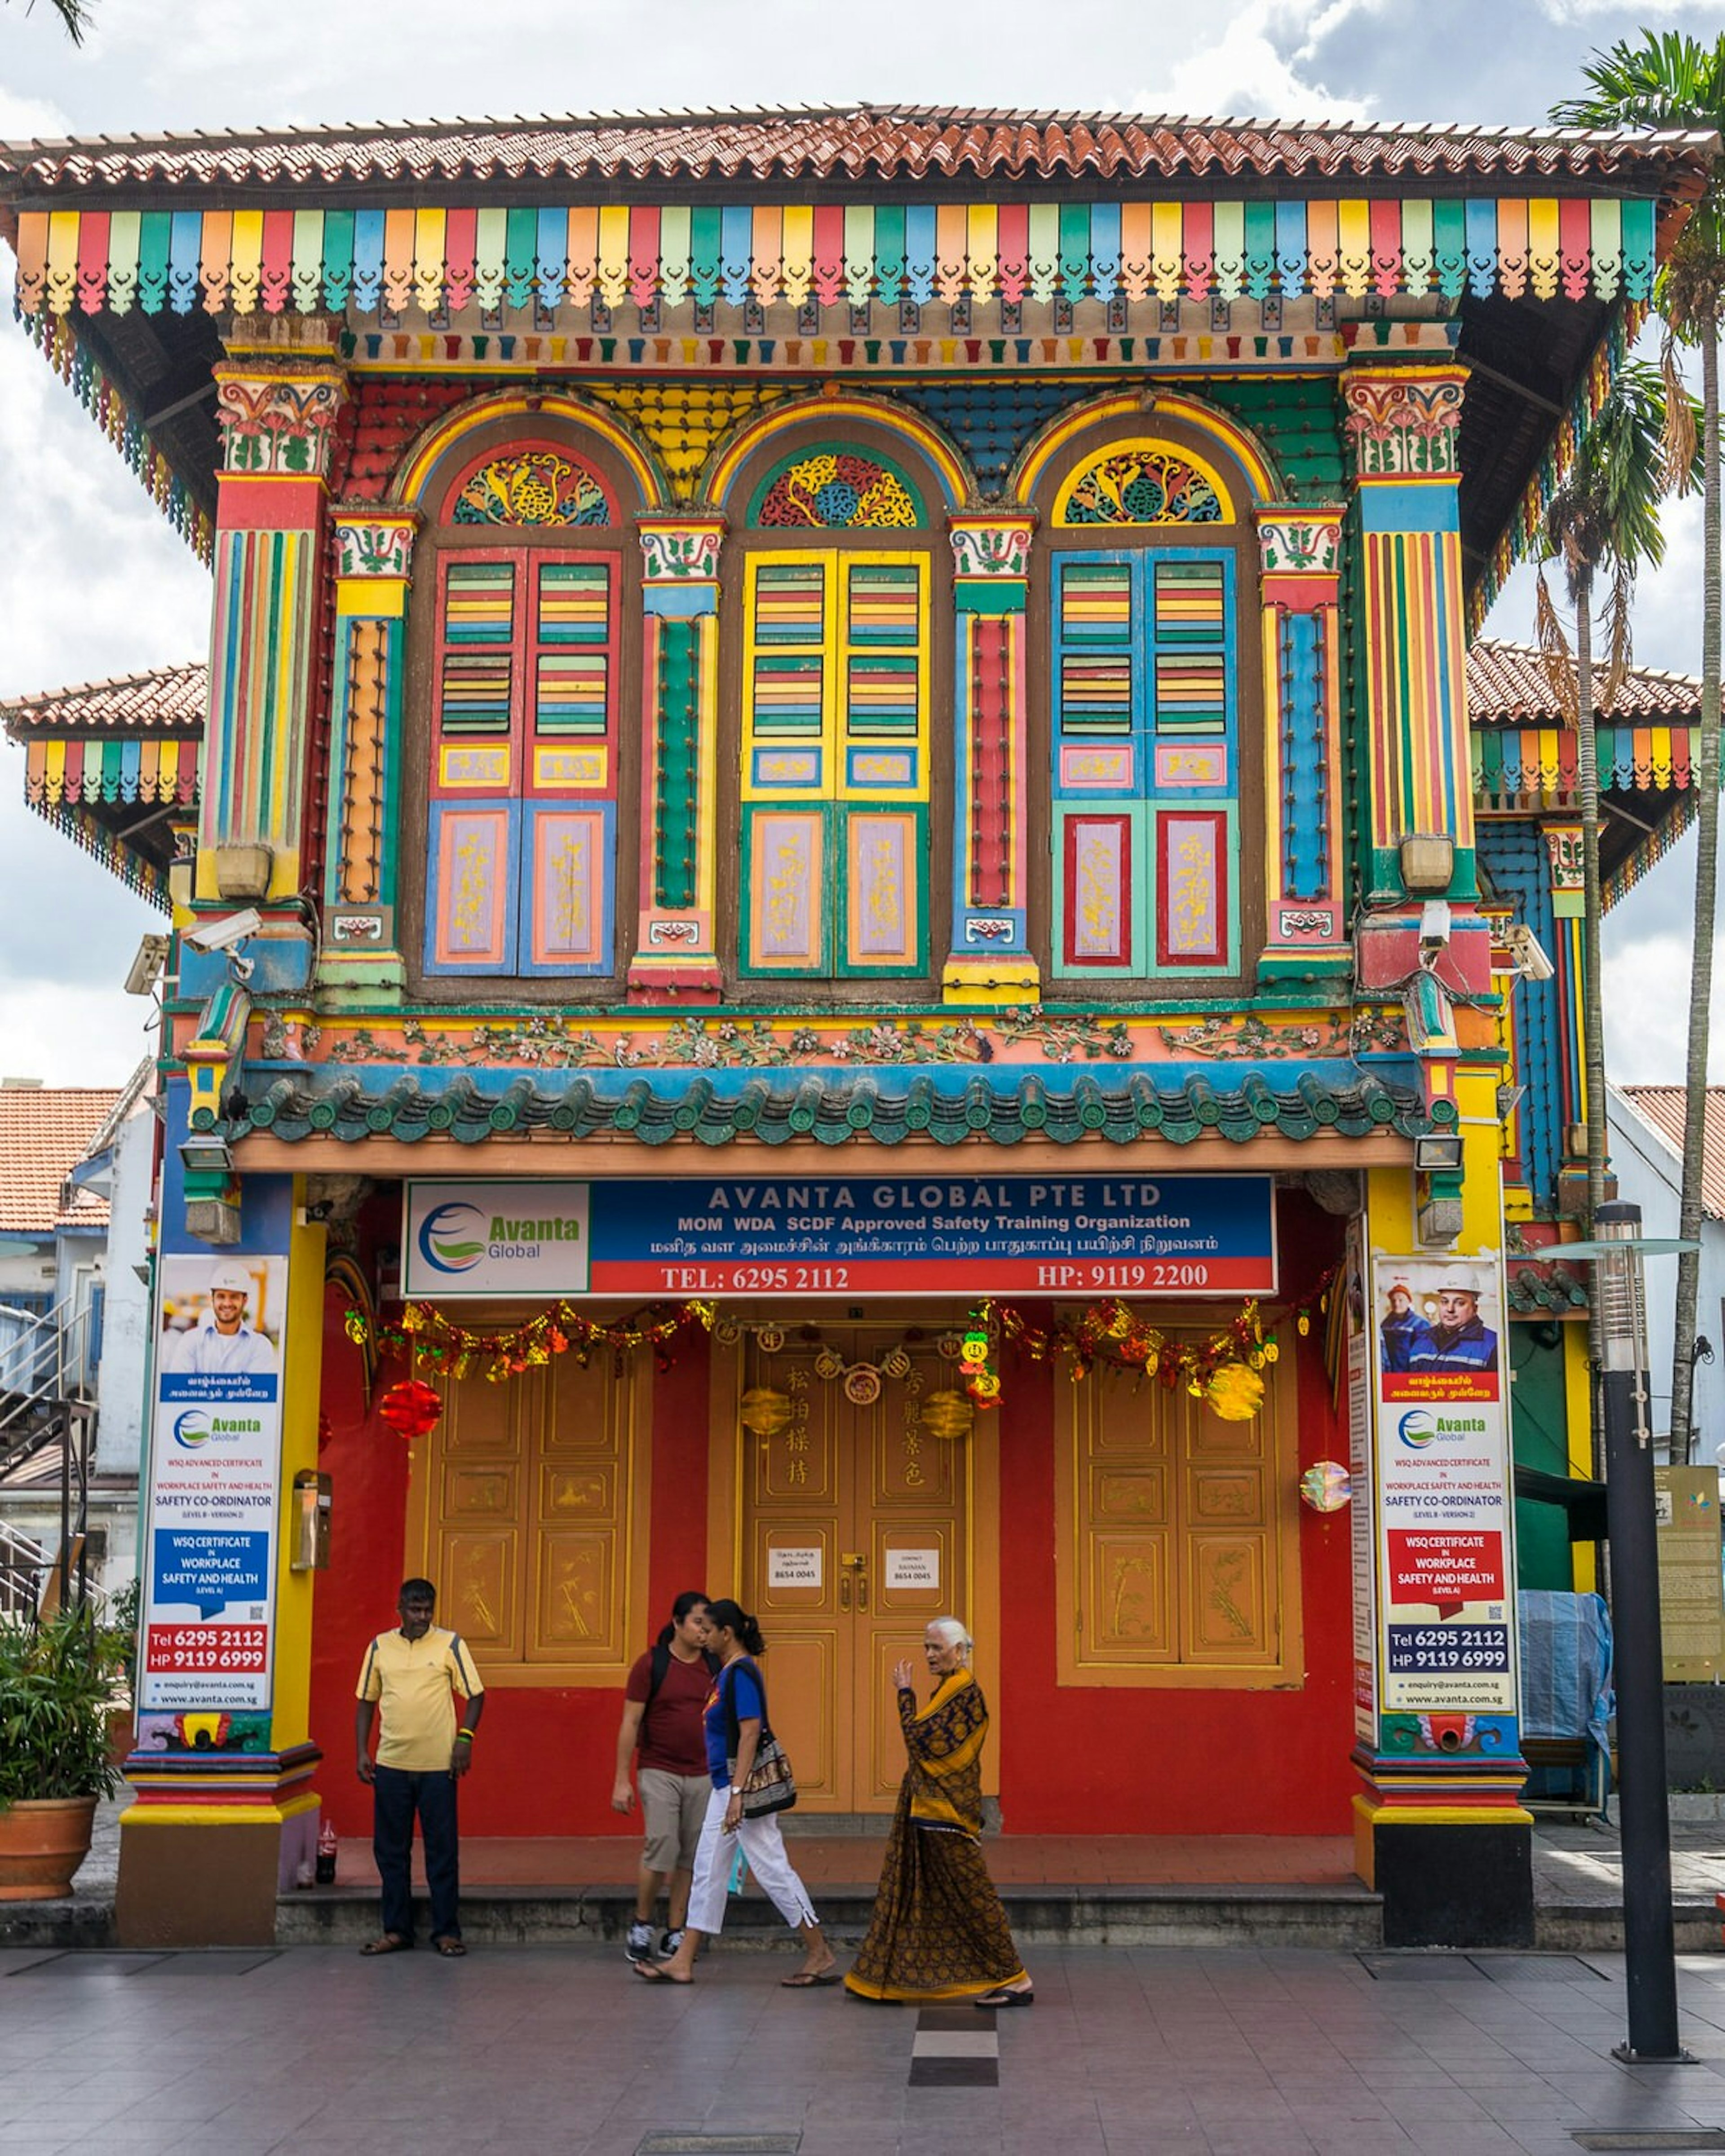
661 1664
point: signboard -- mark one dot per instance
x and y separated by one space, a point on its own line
1444 1560
1691 1596
913 1571
934 1235
794 1567
215 1466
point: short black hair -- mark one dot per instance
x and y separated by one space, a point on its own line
416 1590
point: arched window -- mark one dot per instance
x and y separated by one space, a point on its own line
835 693
1147 544
524 663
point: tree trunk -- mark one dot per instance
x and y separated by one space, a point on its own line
1592 1017
1706 863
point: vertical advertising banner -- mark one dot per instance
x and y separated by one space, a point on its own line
1445 1560
1357 1374
210 1529
1691 1595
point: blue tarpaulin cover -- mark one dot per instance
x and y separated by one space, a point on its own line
1566 1666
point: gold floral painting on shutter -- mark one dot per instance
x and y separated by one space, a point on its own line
530 1516
1176 1539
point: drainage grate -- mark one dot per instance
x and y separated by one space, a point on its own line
720 2143
1660 2136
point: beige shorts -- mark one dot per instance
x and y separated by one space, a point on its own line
674 1806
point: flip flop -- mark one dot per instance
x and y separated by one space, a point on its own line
654 1972
804 1982
390 1942
992 2001
450 1949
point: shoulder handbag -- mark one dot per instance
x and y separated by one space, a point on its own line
771 1786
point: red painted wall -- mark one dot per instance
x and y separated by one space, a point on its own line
1120 1761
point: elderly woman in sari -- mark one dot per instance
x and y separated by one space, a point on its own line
939 1930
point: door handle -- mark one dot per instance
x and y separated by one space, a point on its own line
862 1590
843 1590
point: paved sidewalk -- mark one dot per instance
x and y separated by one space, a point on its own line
542 2051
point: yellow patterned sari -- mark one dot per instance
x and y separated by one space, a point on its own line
938 1930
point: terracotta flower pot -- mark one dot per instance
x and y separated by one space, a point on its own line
42 1841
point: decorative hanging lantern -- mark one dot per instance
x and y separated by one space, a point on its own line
862 1384
947 1414
1233 1392
411 1408
1327 1486
764 1411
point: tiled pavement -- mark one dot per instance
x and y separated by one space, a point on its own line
548 2052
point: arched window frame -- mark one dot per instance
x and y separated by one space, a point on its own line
1155 805
821 821
529 814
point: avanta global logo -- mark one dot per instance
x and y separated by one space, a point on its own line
452 1238
191 1429
1416 1430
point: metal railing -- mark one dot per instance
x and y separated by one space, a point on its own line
47 1399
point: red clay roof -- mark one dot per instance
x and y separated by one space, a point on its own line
44 1131
1506 685
1665 1106
171 700
856 142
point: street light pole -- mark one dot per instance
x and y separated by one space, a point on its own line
1643 1809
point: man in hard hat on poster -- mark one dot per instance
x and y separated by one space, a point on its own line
1458 1341
222 1344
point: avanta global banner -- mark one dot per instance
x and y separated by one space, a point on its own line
760 1235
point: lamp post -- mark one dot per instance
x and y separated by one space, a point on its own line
1649 1945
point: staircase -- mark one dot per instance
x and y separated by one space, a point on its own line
47 1402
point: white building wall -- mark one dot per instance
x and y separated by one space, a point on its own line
125 1321
1649 1174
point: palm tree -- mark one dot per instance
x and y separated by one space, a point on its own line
74 14
1675 81
1604 517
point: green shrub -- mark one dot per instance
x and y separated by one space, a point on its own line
56 1685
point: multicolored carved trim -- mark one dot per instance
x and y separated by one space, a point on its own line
1528 767
59 772
833 487
538 487
1300 553
277 423
1404 426
755 255
1144 483
373 543
84 829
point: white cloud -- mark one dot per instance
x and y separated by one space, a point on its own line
1246 70
73 1036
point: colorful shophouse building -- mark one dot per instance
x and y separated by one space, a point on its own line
834 886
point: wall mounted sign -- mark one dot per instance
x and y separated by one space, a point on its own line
761 1235
795 1568
1691 1608
913 1571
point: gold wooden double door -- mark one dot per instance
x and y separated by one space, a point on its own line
856 1525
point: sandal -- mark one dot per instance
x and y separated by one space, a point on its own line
1003 1997
390 1942
655 1972
810 1980
450 1949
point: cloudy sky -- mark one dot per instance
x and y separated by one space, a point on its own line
94 585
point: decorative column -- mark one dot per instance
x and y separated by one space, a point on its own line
1404 424
676 954
276 418
1299 559
374 565
1567 1082
990 961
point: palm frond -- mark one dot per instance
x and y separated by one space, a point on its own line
1556 661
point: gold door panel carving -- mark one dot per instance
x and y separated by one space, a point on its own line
1176 1537
529 1511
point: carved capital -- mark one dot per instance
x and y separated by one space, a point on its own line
681 550
1564 850
1404 422
1299 542
374 542
991 546
276 421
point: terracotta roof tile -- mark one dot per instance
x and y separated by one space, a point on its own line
1506 685
863 142
171 700
45 1132
1665 1106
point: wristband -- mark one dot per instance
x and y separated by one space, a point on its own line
464 1736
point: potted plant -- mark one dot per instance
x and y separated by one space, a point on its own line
56 1685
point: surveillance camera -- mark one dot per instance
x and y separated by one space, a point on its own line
1434 925
223 934
1527 951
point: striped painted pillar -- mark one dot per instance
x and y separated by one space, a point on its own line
374 567
276 420
991 960
676 955
1404 422
1299 560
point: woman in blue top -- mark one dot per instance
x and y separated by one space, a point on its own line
738 1699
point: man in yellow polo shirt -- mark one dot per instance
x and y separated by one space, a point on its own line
414 1674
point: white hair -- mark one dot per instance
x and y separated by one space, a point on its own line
953 1632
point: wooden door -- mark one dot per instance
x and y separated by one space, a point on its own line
855 1532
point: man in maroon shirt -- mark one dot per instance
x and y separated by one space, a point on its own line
666 1695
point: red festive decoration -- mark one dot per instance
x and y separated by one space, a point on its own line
410 1409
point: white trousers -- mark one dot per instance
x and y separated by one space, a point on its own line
763 1845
